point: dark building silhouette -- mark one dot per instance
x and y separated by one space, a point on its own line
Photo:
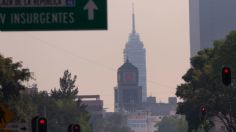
94 107
93 102
128 95
160 109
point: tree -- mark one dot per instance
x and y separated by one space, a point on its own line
67 112
203 86
60 113
60 108
172 124
70 110
12 76
67 87
24 108
116 122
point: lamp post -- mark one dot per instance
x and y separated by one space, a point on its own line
147 122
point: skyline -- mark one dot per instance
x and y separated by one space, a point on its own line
50 53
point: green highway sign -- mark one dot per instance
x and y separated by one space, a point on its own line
36 15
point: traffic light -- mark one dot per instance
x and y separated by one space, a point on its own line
226 76
74 128
39 124
203 112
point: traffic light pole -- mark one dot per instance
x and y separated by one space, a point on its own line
230 111
205 124
232 79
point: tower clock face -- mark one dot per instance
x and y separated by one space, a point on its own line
129 77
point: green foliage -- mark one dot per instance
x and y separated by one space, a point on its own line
66 110
60 108
67 87
23 107
12 75
172 124
65 113
60 113
116 122
203 85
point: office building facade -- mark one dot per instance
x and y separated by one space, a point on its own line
210 20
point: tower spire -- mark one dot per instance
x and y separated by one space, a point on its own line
133 19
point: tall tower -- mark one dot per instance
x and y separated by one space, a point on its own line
136 53
210 20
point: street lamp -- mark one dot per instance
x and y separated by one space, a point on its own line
147 122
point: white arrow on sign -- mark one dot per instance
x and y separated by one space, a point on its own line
19 127
90 6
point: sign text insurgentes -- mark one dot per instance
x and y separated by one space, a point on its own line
17 15
39 18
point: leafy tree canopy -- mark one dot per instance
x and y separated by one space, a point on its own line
60 107
116 122
172 124
203 85
12 76
67 89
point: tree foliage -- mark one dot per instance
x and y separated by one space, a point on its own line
67 109
24 108
12 76
60 108
116 122
59 113
68 112
172 124
203 85
67 87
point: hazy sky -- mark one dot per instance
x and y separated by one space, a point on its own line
95 56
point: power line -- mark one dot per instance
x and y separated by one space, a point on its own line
67 52
46 43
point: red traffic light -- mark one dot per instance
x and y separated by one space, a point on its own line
74 128
203 109
42 121
39 124
226 76
226 70
203 113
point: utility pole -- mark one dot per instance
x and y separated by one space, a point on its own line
45 111
147 121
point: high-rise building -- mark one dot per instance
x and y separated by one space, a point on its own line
136 53
128 95
210 20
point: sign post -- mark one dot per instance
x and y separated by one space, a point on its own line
36 15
